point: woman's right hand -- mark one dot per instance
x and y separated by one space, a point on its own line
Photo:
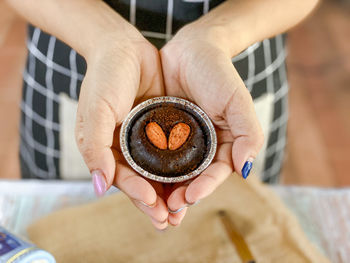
123 70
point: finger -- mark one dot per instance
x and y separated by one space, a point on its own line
158 187
158 212
134 186
159 225
211 177
96 150
151 83
171 73
177 205
245 128
176 219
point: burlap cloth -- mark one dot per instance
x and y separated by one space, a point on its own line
113 230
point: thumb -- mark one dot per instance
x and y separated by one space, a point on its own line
245 128
98 115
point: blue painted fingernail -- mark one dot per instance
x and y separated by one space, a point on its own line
246 168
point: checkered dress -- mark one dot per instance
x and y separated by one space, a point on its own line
53 68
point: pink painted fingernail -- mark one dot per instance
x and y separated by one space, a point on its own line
99 182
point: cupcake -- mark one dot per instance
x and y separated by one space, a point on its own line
168 139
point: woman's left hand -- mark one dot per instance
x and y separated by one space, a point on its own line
196 66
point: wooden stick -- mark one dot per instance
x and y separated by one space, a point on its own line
236 238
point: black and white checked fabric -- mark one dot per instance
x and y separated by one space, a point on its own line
53 68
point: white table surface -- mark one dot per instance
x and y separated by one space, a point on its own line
324 214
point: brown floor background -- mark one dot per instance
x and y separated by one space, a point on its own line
318 151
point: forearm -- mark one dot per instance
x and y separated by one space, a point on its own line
82 24
239 23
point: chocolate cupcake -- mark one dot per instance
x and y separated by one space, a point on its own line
168 139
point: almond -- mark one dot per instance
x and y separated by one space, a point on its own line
156 135
178 135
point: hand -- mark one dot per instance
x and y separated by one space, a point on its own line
122 72
196 66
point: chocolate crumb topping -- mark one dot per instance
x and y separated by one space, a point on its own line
155 157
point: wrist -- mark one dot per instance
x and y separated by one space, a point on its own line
105 31
123 42
212 33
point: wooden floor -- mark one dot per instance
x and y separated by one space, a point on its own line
318 151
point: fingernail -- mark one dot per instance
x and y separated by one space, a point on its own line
188 204
176 211
147 205
192 204
99 182
162 222
160 230
247 167
177 225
